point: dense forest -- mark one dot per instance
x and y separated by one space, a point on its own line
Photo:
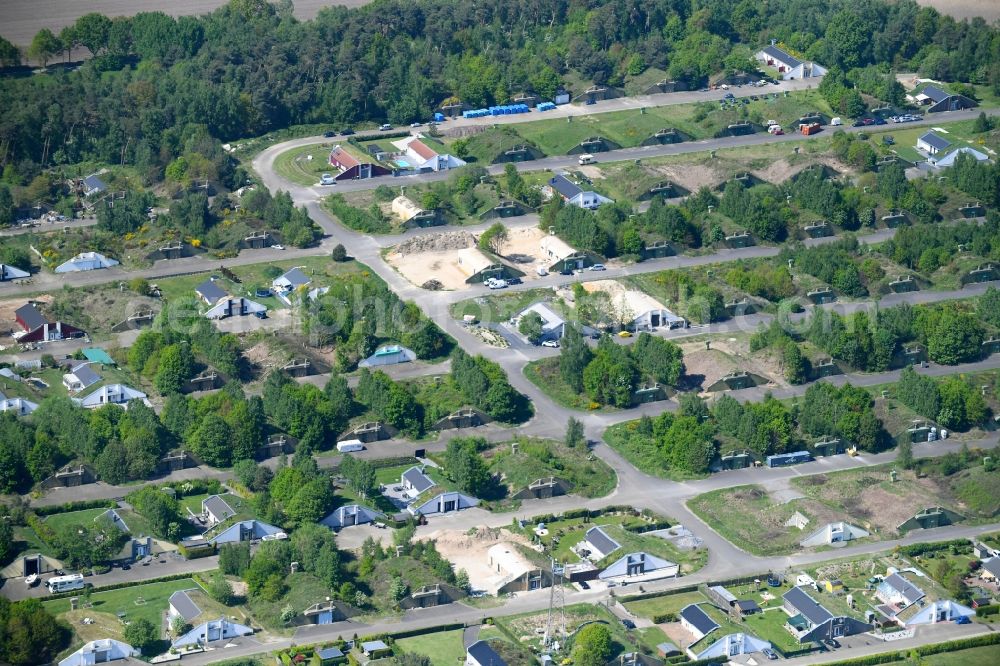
250 67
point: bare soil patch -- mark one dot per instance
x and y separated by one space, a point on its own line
725 356
468 550
691 176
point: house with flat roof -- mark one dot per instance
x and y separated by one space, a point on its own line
215 510
181 605
574 194
112 394
481 653
639 566
351 514
932 143
598 543
8 272
103 651
938 100
210 632
80 376
85 261
697 622
35 327
789 67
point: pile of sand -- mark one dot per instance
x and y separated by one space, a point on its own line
452 240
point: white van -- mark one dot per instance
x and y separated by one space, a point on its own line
350 446
586 158
58 584
542 271
836 122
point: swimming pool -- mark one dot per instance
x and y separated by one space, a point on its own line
402 164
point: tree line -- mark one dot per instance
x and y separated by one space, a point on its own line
399 60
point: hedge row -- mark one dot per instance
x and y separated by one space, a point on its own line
82 505
196 554
118 586
921 548
651 595
987 610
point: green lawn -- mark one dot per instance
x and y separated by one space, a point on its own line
58 521
155 597
444 647
668 603
770 625
294 165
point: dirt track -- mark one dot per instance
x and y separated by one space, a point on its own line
21 19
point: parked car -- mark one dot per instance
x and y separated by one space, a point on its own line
769 653
326 179
598 267
628 624
415 124
277 247
347 131
329 135
514 280
880 121
554 344
624 334
566 271
832 643
385 127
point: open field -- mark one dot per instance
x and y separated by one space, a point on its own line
23 18
981 656
988 9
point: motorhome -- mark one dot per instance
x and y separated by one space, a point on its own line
58 584
586 159
350 446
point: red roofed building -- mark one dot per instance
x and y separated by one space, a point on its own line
38 329
352 168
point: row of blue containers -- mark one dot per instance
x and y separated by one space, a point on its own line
782 459
505 110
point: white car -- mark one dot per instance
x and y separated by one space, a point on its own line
385 128
415 124
598 267
277 247
326 179
551 343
